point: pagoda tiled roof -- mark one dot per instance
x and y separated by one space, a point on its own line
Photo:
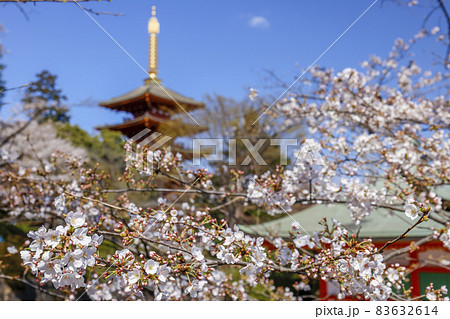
152 89
134 121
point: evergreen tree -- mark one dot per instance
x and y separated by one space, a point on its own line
44 90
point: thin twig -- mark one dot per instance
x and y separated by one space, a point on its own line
390 242
406 249
173 190
225 204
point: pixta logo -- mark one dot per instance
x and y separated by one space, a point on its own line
307 154
142 148
144 151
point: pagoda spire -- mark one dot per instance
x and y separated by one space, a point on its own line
153 30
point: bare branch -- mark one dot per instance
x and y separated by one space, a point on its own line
406 249
404 235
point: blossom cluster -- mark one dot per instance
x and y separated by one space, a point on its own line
61 255
376 139
148 161
363 275
433 294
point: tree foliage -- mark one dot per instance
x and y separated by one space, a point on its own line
44 90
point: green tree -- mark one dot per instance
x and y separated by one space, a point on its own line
107 149
44 90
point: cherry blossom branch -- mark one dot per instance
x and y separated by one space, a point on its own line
186 183
140 236
215 263
97 201
210 192
40 288
174 190
405 234
225 204
22 127
401 251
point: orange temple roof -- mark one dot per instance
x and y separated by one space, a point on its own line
156 92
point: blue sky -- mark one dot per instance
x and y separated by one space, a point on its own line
205 47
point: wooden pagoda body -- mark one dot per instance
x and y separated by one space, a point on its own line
152 106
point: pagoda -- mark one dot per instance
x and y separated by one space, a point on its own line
153 106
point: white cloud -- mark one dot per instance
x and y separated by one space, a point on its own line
259 22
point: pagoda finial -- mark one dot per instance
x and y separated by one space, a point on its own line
153 30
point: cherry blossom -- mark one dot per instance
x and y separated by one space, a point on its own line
377 138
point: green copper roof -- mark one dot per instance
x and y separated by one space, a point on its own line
154 90
380 224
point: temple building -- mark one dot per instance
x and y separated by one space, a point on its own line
427 264
153 106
